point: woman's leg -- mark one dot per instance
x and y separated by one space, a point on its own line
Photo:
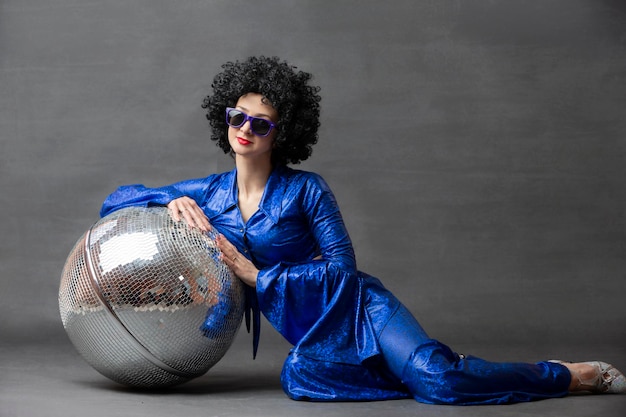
399 338
435 374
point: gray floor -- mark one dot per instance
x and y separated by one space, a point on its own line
50 379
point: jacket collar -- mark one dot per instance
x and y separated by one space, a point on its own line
272 201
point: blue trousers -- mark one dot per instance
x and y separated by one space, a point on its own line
435 374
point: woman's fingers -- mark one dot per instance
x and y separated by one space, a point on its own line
229 251
240 265
187 208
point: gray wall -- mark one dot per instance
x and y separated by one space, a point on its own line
476 148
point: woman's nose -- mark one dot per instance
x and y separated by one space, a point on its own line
246 127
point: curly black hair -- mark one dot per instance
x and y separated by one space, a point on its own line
287 90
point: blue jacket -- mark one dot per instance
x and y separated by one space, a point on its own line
328 310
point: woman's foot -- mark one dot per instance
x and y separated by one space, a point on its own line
597 377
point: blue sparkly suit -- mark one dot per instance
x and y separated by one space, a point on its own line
353 339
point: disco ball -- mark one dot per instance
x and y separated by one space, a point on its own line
146 300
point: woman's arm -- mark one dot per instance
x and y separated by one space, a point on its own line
139 195
326 224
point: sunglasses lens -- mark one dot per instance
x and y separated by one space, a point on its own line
235 118
260 126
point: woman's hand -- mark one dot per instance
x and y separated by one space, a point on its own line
241 266
190 211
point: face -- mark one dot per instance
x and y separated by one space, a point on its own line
243 141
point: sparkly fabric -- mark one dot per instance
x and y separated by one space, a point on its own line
436 375
333 314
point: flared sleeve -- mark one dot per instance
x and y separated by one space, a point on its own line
317 305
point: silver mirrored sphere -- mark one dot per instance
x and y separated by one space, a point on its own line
147 301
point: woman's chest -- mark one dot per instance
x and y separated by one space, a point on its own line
266 240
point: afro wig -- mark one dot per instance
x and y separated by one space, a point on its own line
285 88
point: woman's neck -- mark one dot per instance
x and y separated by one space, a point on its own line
252 175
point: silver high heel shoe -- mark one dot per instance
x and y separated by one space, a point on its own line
607 380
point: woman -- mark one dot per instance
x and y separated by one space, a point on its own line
282 234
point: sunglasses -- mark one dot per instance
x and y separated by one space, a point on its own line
237 118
